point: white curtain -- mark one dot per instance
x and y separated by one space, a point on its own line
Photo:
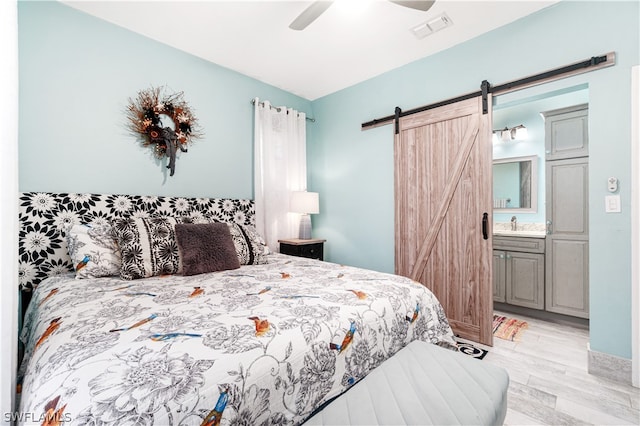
280 168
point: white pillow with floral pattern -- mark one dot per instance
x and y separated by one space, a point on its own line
93 251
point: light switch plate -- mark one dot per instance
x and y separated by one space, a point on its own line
612 204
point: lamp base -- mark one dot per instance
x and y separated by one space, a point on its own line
304 232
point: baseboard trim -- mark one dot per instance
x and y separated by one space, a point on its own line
609 366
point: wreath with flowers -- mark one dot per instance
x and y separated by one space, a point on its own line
163 121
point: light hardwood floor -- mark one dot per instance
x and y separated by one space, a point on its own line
549 383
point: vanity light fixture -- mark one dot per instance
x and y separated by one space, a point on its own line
519 132
507 134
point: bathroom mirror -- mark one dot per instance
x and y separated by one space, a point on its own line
515 184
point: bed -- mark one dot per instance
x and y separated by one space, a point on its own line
268 342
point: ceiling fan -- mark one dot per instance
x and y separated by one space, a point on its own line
317 8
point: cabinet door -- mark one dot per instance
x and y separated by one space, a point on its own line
567 247
525 279
566 133
499 276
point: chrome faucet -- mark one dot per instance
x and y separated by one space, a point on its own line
514 223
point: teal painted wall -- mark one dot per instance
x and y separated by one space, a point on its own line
353 169
76 75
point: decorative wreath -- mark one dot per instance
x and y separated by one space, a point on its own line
146 114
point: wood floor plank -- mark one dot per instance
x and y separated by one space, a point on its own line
516 418
540 412
533 394
591 380
589 414
580 385
585 396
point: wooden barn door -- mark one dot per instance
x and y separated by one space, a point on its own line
443 192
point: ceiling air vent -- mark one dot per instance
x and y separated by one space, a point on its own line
427 28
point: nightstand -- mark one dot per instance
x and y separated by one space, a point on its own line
313 248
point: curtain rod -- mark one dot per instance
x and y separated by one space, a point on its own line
253 102
595 62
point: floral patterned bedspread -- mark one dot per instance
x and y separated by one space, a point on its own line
263 344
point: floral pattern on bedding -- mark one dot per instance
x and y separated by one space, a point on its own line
263 344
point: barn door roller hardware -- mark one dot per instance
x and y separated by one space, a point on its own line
485 88
591 64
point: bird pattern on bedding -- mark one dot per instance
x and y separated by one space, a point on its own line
263 344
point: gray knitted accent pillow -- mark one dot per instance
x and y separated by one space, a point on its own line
206 247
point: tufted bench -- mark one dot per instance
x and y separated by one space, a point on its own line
423 384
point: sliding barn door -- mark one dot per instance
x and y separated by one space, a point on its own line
443 192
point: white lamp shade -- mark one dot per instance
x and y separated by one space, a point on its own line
521 132
304 202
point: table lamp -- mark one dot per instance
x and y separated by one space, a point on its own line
305 203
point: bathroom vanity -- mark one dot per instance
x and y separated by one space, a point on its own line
518 268
520 277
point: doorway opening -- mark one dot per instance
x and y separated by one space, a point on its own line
538 271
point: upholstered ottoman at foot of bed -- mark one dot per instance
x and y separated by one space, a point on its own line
423 384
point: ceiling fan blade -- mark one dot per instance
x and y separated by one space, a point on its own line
309 15
415 4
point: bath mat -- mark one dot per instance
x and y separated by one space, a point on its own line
508 328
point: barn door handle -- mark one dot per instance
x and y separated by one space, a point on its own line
485 224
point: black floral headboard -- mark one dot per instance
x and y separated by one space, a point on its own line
43 216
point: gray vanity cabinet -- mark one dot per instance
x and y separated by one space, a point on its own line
518 271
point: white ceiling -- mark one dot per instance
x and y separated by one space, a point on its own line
336 51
